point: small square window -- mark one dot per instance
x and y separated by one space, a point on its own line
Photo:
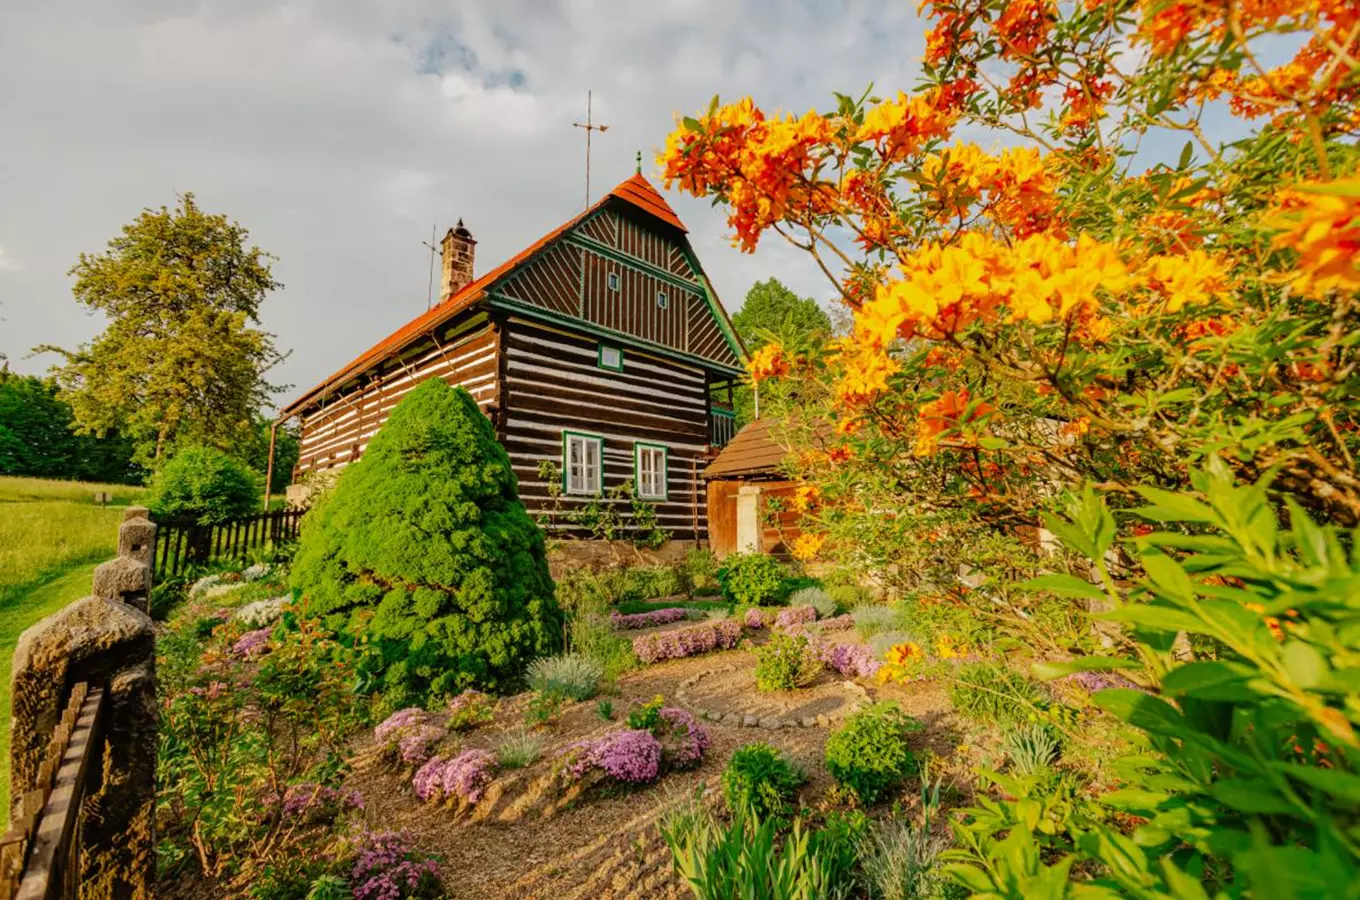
663 299
613 281
611 358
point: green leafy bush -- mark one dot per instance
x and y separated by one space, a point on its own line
786 662
426 534
701 572
1248 786
572 675
204 484
760 779
995 693
753 578
868 755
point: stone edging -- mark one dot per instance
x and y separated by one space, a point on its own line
749 720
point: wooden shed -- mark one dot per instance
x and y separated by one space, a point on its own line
750 500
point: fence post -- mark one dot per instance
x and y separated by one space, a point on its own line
109 643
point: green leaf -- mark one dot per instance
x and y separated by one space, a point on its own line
1304 664
1210 680
1134 800
1168 576
691 124
1251 795
1047 671
1331 781
1156 616
1151 714
1064 586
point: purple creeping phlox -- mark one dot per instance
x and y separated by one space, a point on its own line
388 867
632 756
251 644
647 619
390 729
684 740
795 615
311 799
836 623
464 777
853 660
754 618
417 743
691 641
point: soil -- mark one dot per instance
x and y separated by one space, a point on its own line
524 840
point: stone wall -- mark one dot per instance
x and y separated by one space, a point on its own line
104 639
568 556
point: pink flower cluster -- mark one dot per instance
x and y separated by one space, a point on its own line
251 644
795 615
754 618
684 740
312 799
837 623
632 756
409 735
854 660
388 867
647 619
464 777
691 641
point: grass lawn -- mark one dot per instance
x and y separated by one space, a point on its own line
52 535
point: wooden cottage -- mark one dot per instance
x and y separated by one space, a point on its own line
601 348
750 499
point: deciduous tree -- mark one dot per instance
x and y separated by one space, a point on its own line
181 358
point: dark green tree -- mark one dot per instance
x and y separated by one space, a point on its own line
427 531
771 310
36 439
180 361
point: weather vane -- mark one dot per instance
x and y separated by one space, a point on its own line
589 125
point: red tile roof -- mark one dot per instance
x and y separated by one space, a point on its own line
636 191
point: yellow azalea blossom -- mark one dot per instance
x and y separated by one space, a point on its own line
946 648
904 653
804 497
1193 278
1325 230
768 362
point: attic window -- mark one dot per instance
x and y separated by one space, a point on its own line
663 300
613 281
610 358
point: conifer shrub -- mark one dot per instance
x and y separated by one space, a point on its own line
424 545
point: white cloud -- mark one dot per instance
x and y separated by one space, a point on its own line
338 131
8 262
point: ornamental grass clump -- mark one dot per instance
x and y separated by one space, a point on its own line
868 755
994 692
1030 749
786 662
460 779
651 619
424 545
871 618
570 675
519 749
817 598
689 641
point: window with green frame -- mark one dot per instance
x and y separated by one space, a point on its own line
610 358
582 463
650 475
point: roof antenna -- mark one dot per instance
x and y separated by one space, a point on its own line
434 249
639 162
589 126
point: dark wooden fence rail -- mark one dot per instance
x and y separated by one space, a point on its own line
181 543
40 853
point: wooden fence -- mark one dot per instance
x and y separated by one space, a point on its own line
181 543
40 853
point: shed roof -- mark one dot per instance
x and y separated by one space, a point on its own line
636 191
752 451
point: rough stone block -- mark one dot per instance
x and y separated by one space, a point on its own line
137 539
125 580
136 512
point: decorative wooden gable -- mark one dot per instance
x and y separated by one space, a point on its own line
626 268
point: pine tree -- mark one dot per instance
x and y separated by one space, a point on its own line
427 532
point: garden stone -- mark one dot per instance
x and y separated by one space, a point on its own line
124 580
769 722
750 721
809 721
137 539
731 719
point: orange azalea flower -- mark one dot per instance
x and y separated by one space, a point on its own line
1324 228
948 412
805 496
946 647
1192 278
768 362
904 654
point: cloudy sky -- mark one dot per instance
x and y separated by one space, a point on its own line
339 131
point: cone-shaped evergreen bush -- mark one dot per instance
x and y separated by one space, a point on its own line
428 532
